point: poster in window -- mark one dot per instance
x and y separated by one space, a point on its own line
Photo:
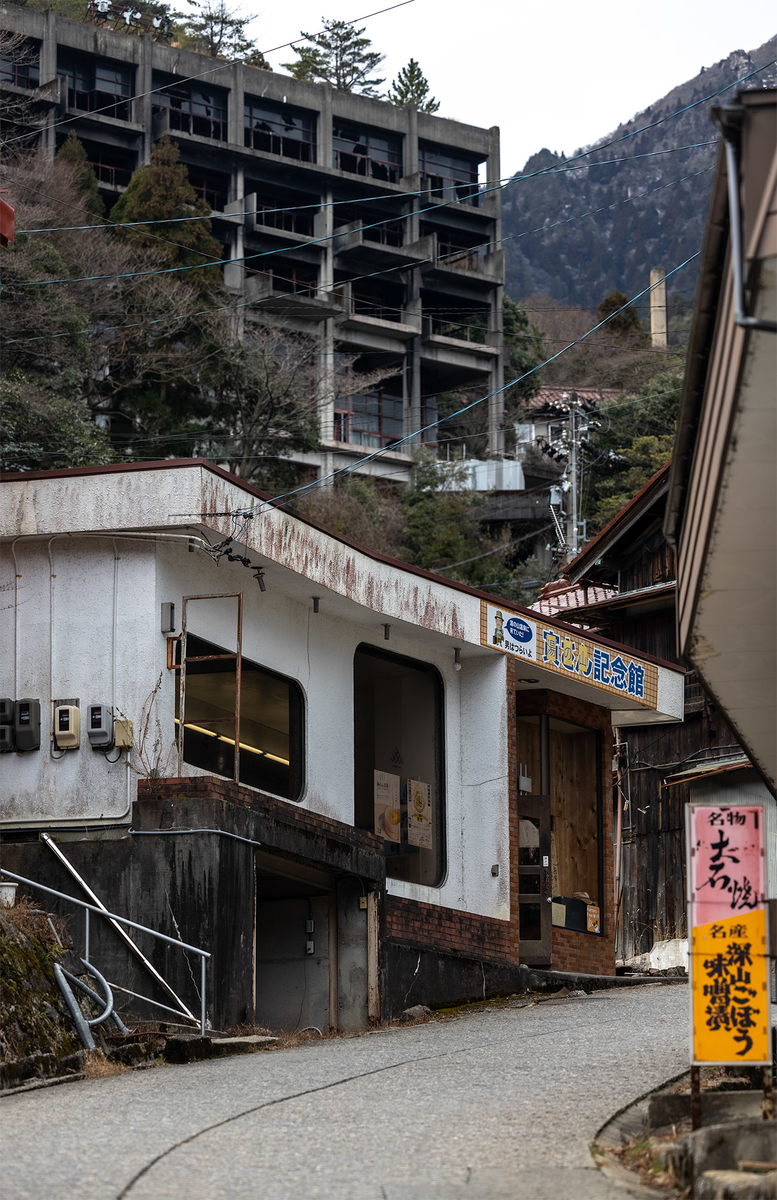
388 813
728 934
419 814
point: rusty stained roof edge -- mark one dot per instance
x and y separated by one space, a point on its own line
167 464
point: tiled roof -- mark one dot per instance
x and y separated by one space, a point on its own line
555 400
561 595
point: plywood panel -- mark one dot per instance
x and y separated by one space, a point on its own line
573 807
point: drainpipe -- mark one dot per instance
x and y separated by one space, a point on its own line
729 122
16 578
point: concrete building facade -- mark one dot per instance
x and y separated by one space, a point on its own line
420 772
376 226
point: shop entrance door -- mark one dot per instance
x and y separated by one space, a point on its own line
534 880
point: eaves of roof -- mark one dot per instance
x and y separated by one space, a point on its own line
619 524
708 770
174 464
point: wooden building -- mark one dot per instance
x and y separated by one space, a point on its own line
624 585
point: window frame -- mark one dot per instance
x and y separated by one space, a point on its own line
191 98
441 848
255 108
446 181
83 93
380 165
297 714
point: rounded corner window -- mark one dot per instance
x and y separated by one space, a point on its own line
398 749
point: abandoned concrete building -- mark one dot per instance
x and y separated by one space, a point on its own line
356 784
377 226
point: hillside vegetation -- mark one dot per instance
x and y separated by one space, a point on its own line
580 261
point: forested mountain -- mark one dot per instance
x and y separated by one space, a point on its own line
581 261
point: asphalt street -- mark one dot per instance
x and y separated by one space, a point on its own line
492 1105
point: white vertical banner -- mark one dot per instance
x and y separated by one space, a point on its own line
419 814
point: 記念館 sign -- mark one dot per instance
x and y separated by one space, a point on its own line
569 653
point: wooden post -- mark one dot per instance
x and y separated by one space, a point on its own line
695 1097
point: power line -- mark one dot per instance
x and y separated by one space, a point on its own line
231 62
283 250
321 205
280 500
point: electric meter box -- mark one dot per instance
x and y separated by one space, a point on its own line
6 712
67 727
26 724
99 726
6 738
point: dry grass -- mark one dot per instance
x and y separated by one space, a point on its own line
97 1066
640 1156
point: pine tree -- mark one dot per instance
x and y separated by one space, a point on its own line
411 89
162 192
339 55
72 151
214 29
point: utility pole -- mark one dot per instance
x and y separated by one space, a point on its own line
573 470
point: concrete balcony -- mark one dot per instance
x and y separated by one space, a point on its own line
374 326
457 350
371 249
477 266
305 303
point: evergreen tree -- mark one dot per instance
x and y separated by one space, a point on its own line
162 192
411 89
339 55
72 151
213 28
627 323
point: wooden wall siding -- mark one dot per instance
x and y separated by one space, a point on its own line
653 902
574 842
654 634
529 752
652 567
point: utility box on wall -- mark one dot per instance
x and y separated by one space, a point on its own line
27 724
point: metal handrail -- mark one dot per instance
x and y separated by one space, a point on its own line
103 912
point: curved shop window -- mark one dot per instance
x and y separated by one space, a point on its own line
398 778
271 720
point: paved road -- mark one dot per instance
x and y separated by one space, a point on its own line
498 1104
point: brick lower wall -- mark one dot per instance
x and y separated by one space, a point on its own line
447 930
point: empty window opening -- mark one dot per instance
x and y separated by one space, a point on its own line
398 735
211 186
97 86
282 208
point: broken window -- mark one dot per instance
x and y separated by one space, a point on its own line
192 108
271 720
97 86
378 155
398 750
279 129
449 176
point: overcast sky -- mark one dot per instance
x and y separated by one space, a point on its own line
559 75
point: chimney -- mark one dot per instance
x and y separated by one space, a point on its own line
658 309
